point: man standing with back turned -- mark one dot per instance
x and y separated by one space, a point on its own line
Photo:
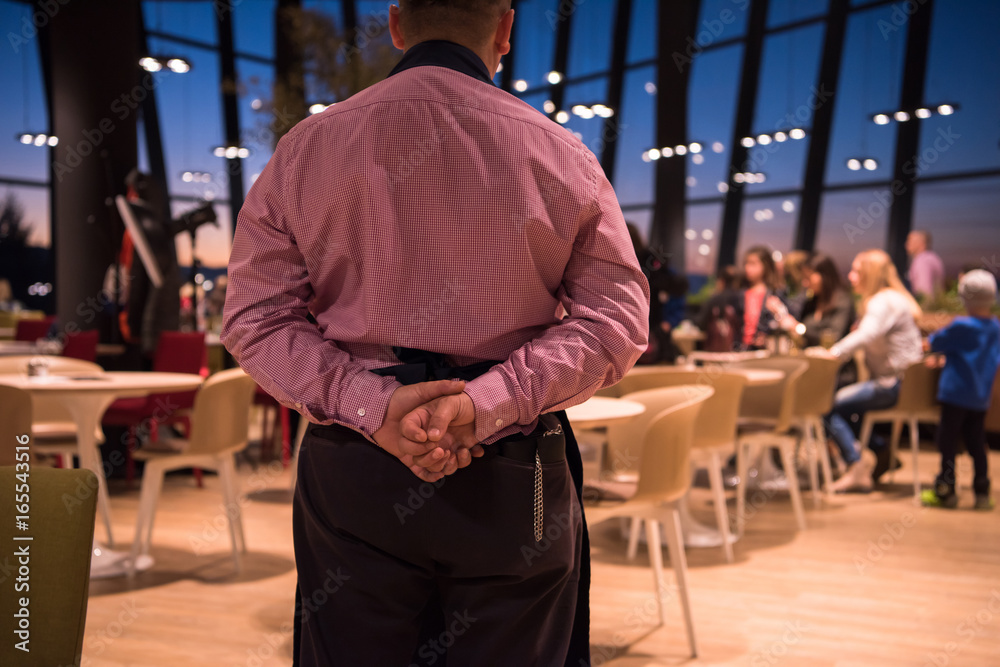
437 227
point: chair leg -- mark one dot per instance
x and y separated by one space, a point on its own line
811 447
656 562
719 500
232 508
198 478
234 493
824 451
867 425
788 460
915 446
129 459
633 536
152 483
897 434
675 542
743 450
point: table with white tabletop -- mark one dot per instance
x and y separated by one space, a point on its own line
598 411
726 357
86 398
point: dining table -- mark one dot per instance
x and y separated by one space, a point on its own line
86 397
17 348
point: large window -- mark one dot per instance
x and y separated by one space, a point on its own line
715 80
634 177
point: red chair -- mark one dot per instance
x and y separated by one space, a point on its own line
81 345
176 352
32 330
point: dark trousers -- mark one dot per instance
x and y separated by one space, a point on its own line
958 422
396 571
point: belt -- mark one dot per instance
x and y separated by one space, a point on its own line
546 444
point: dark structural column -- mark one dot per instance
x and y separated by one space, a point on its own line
742 128
90 54
819 136
289 69
563 19
230 111
676 25
616 82
151 131
908 133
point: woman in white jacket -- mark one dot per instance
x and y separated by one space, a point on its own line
889 335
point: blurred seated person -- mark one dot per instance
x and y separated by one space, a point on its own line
721 316
889 335
828 311
792 288
760 277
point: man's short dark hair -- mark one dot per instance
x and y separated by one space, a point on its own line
473 20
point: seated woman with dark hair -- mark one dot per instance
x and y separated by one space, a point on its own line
828 313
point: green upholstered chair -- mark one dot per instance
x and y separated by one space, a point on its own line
62 505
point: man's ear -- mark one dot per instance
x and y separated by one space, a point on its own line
502 36
397 35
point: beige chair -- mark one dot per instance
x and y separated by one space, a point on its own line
714 436
766 420
664 478
813 400
917 404
219 424
15 423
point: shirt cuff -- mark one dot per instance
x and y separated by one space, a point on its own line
496 409
363 404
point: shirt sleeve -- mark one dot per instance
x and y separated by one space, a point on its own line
607 299
922 275
948 339
878 320
265 319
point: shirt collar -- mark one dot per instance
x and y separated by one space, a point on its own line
442 53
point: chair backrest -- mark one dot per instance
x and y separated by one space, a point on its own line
665 463
918 390
773 402
626 439
82 345
181 352
221 414
63 504
32 330
817 386
15 421
717 421
644 377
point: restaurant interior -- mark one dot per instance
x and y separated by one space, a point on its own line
772 159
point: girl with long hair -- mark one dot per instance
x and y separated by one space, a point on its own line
760 276
889 335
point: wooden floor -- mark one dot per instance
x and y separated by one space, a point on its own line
873 581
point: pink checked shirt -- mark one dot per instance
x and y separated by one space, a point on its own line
434 211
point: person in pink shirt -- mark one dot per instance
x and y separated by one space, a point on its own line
435 228
926 272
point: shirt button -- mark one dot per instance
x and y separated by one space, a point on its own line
361 412
499 422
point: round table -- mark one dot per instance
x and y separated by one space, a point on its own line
600 411
16 348
727 357
86 398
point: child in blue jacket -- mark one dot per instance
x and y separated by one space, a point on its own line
971 346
